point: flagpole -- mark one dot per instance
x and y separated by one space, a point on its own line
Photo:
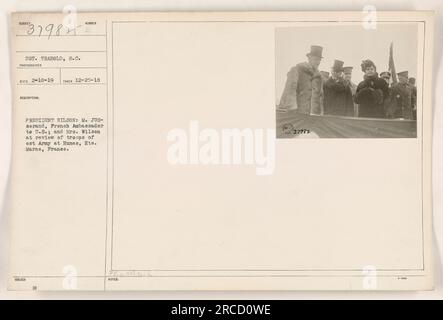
392 64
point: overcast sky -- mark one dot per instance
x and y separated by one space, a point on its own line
351 44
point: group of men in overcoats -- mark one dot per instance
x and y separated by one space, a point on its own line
310 91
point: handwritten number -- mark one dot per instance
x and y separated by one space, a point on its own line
49 28
41 30
31 29
59 28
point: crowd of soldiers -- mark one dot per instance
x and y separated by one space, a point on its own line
310 91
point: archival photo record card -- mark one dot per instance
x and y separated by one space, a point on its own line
221 151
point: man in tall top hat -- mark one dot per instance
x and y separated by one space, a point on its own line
338 95
347 76
303 91
371 92
401 98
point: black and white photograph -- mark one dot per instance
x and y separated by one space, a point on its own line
235 153
347 81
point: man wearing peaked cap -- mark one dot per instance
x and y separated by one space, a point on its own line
303 90
347 70
347 76
386 75
403 74
411 82
338 95
401 98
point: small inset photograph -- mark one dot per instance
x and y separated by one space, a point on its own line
347 81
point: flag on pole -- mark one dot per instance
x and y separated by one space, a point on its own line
391 63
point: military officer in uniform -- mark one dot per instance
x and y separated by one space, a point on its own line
401 98
386 75
338 95
414 98
347 76
303 91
